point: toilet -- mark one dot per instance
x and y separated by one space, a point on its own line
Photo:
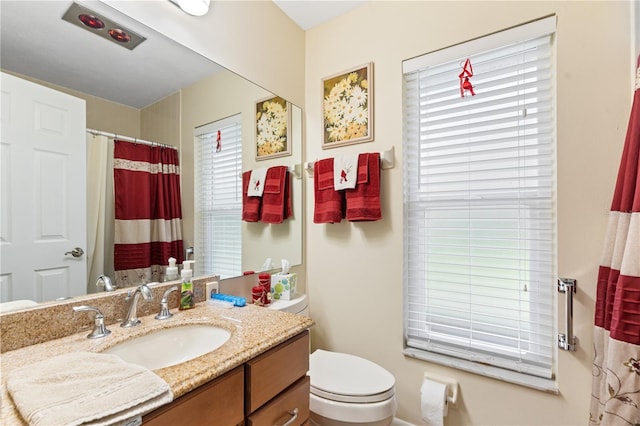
345 389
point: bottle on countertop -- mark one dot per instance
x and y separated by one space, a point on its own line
186 290
172 270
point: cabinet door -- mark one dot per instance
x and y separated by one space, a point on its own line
294 402
272 372
218 403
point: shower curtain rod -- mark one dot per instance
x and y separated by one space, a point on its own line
129 139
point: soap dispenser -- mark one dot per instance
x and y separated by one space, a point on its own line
172 270
186 291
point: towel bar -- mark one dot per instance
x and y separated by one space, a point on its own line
294 170
387 160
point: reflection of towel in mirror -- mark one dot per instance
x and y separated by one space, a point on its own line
85 388
363 202
16 305
250 205
329 203
276 198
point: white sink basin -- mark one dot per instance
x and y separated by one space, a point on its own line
171 346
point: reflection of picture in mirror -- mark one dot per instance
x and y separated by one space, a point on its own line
347 107
272 128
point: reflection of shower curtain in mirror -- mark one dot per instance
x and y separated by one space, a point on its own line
97 158
148 212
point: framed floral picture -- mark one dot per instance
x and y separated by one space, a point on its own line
272 128
347 107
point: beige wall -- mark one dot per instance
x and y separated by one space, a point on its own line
160 121
252 38
355 269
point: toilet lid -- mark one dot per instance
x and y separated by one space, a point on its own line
348 378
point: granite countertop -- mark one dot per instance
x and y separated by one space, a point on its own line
253 329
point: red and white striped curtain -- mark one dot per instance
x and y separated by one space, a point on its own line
148 212
616 367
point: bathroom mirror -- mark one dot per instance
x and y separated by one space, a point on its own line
35 42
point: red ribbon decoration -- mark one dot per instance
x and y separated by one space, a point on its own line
219 142
465 84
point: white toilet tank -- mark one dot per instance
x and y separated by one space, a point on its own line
299 305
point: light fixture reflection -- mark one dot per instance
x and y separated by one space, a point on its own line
194 7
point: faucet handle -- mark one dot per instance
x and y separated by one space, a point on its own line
99 329
164 305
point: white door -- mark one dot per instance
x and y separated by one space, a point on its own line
43 192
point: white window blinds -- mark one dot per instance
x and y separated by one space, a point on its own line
218 198
479 203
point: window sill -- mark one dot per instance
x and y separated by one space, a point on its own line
537 383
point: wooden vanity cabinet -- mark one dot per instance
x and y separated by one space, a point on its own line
219 402
264 391
276 384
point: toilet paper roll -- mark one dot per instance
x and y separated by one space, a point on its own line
433 402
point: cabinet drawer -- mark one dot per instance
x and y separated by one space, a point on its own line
272 372
277 411
219 402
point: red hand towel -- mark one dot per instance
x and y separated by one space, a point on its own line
363 202
276 198
250 205
363 168
329 203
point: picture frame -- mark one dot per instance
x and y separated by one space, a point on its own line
273 128
347 107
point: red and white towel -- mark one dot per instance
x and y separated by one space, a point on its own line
362 203
345 172
274 205
250 205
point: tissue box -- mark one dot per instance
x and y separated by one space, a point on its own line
283 286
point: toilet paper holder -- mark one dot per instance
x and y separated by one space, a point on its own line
452 386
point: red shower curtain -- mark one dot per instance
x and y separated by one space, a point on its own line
148 212
616 367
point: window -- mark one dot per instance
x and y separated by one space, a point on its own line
479 206
218 198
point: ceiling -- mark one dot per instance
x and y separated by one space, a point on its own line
310 13
36 42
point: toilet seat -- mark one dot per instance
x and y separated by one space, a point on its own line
348 378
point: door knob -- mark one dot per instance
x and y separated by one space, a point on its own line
76 252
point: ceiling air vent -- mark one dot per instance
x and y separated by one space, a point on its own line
104 27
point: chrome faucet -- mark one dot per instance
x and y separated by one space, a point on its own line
164 305
105 281
131 320
99 329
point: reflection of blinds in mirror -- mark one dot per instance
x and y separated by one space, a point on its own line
218 198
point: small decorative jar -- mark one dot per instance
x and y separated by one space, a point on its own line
258 295
264 281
